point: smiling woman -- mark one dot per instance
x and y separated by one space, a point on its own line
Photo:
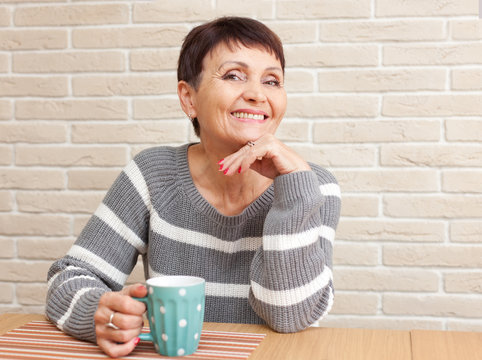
238 208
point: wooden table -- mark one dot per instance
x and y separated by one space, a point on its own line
338 344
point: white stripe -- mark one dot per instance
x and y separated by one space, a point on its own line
217 289
292 296
82 254
330 190
296 241
135 175
110 218
68 268
77 296
77 277
191 237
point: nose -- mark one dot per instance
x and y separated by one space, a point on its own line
254 92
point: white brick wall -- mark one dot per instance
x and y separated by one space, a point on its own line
387 94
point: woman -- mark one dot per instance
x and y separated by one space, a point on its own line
239 208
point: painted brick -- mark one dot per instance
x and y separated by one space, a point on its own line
315 55
359 205
462 181
132 37
385 322
71 109
58 202
389 230
31 294
32 132
355 254
54 86
332 106
6 203
433 305
432 255
4 16
71 156
305 9
33 39
466 231
7 293
387 180
295 31
4 64
8 247
43 248
299 81
34 224
431 155
6 155
91 179
376 131
259 9
337 156
432 105
58 15
5 110
426 8
163 11
369 279
463 130
351 303
395 30
464 325
463 282
441 54
159 108
154 60
21 178
124 85
466 29
466 79
293 131
437 206
382 80
21 271
65 62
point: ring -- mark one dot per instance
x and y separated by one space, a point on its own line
111 324
250 143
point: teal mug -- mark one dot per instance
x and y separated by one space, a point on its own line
175 310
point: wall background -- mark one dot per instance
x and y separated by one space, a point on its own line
387 94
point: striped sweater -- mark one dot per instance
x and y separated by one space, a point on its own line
271 264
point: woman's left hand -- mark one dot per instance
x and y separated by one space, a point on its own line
267 155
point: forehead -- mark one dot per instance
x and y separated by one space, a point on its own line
252 56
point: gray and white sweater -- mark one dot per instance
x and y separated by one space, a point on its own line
270 264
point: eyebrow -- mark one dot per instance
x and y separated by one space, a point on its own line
243 64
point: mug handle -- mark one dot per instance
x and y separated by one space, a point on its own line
144 336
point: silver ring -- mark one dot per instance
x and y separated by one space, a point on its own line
110 324
250 143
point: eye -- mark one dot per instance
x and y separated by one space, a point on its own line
272 81
234 75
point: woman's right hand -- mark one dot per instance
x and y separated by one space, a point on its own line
127 317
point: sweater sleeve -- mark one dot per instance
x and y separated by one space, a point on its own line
102 257
291 273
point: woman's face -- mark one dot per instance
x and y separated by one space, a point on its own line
240 96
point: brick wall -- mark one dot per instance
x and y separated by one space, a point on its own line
387 94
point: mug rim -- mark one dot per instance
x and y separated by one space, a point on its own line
173 281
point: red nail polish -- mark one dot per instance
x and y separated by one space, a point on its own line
225 171
220 161
221 167
239 170
137 341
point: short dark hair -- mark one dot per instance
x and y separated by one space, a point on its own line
232 31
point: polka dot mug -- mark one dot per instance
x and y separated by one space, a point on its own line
175 310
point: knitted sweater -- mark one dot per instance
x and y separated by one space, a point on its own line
271 264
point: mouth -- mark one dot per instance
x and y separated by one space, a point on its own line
249 116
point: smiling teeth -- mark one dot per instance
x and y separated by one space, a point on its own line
243 115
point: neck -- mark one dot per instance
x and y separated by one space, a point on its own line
230 195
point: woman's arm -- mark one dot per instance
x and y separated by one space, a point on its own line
102 257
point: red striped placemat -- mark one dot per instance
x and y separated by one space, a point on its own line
41 340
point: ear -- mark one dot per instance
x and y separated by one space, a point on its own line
187 98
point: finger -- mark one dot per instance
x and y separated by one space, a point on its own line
118 336
115 350
122 303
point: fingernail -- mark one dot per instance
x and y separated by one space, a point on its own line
239 170
137 341
221 166
225 171
141 287
220 161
